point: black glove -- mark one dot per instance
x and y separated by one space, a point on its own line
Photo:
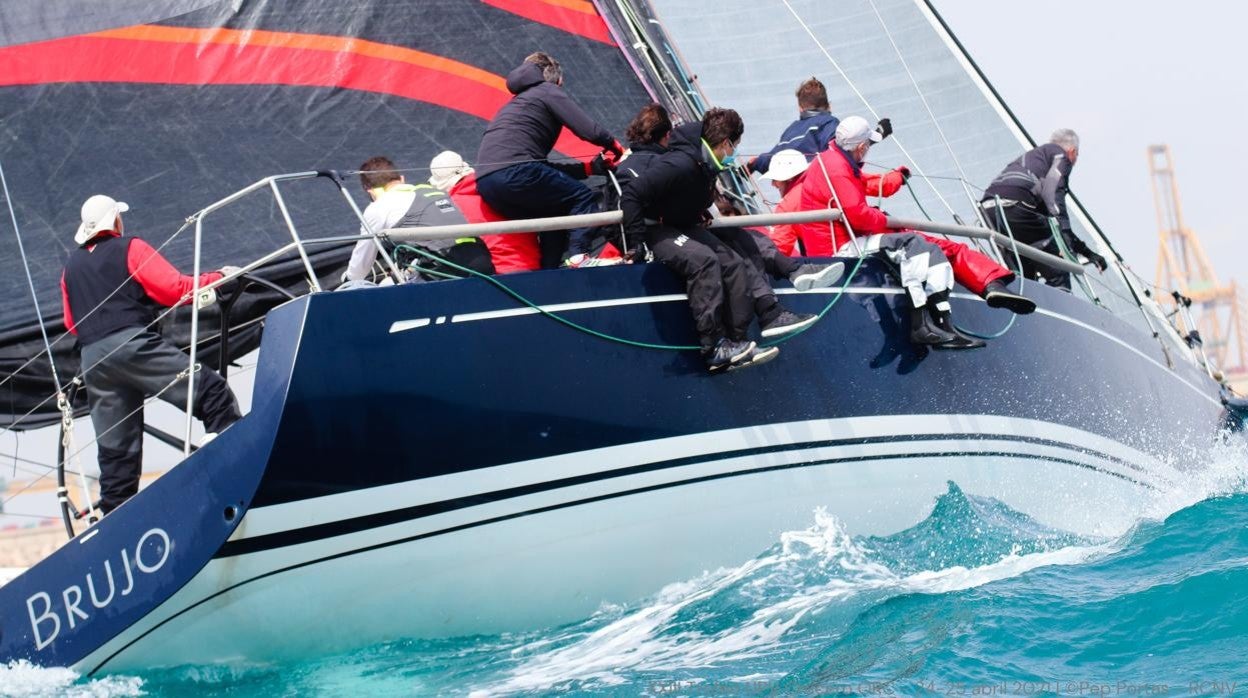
905 173
884 128
598 166
1096 259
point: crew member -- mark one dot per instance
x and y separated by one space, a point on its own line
397 204
668 205
648 136
112 290
512 252
1030 190
513 175
814 129
927 265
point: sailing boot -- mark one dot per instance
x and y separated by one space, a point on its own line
925 331
940 311
998 296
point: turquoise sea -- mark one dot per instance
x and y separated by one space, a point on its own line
975 600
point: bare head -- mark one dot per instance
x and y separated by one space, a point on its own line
551 70
1069 141
652 125
812 96
377 173
722 130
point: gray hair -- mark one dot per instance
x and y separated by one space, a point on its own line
1066 138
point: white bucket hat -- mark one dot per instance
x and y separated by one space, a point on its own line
447 168
785 165
98 214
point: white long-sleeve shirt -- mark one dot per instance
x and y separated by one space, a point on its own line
385 212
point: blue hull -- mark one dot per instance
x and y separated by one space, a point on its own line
363 392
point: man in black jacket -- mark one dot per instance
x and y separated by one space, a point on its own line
1023 197
668 205
513 176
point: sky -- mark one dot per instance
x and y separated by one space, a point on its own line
1126 75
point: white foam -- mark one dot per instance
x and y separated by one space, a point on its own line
21 679
636 641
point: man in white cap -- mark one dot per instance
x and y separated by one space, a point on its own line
512 252
927 265
112 290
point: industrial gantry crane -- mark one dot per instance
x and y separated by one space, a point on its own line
1182 266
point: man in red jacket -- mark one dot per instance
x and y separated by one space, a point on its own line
835 180
112 290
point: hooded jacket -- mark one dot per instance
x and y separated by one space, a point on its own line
852 187
639 159
676 189
526 128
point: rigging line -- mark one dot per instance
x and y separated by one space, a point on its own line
133 412
863 98
29 516
930 113
81 374
30 280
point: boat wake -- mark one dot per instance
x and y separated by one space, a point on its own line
823 611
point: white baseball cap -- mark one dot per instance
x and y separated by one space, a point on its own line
785 165
447 168
854 130
98 214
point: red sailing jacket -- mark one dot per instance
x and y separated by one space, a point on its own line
852 186
512 252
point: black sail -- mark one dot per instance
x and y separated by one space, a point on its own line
204 98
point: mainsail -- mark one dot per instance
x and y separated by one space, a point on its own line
204 98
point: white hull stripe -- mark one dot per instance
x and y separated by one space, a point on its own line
688 448
1002 446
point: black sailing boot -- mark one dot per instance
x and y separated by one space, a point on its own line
923 330
998 296
938 308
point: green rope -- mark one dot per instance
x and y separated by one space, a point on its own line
1069 256
601 335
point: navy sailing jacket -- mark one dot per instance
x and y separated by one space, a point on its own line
810 134
526 128
1038 179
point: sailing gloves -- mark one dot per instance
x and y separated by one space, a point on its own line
884 128
613 154
1096 259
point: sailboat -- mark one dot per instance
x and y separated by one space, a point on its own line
474 456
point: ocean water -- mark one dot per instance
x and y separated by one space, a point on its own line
977 599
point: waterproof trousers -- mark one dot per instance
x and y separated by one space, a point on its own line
717 280
122 370
537 190
1030 227
919 263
